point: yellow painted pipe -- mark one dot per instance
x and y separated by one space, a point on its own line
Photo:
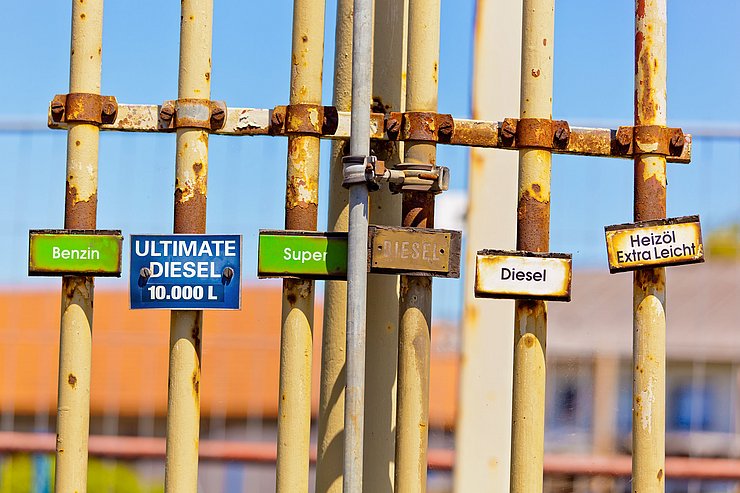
301 204
329 459
75 342
415 310
533 234
191 183
649 295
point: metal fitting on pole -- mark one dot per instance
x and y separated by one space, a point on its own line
360 170
404 177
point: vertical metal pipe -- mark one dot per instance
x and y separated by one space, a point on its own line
80 210
533 234
483 428
649 325
415 309
354 410
301 208
329 458
191 181
389 94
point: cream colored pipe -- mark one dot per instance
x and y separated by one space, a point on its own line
331 394
191 181
415 311
649 293
75 342
301 204
533 234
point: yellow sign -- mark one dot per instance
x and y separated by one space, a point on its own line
656 243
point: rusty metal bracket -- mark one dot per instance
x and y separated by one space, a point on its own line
649 139
192 113
420 126
417 177
534 133
304 119
82 107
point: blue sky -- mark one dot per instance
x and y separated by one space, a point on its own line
251 52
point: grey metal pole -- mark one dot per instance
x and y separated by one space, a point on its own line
357 248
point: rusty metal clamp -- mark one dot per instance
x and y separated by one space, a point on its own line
650 139
304 119
415 177
420 126
534 133
193 113
82 107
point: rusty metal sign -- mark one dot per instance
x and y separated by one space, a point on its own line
414 251
655 243
523 275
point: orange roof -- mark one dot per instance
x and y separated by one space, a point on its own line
240 364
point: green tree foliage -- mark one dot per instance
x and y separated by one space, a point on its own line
724 243
16 476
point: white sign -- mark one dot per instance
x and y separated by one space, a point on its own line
525 275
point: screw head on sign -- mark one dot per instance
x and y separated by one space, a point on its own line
144 274
227 275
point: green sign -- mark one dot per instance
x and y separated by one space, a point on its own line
74 252
303 254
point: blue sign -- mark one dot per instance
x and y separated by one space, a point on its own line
186 272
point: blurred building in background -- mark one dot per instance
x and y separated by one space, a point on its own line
589 340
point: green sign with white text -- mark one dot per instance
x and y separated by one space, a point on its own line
74 252
302 254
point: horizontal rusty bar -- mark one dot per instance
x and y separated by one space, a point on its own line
598 142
